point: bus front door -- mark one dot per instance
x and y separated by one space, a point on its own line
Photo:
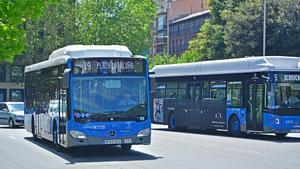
62 116
254 105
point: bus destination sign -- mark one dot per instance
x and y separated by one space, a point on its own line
287 77
108 66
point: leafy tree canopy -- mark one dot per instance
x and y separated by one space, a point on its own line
91 22
244 29
13 15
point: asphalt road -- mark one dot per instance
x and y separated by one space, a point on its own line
169 150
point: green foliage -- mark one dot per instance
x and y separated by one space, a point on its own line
124 22
54 29
97 22
209 42
162 60
207 45
244 29
13 15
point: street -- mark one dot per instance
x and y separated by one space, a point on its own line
169 149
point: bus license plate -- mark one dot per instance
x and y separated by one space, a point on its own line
116 141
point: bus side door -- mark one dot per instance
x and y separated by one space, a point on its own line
196 107
254 104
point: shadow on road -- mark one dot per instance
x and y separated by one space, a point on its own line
258 136
94 153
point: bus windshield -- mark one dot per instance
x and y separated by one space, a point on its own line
287 95
122 97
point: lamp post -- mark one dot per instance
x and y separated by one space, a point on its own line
264 31
167 17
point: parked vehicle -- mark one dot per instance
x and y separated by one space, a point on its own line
12 114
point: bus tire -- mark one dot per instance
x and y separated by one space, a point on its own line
126 147
281 135
234 126
34 136
172 121
11 123
55 138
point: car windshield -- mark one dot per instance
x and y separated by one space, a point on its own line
109 95
287 95
16 107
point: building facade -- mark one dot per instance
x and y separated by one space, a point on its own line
183 30
11 83
169 11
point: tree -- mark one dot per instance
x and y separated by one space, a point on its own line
54 29
209 42
105 22
124 22
13 15
244 29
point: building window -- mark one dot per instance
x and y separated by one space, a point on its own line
2 95
2 73
160 22
16 74
16 95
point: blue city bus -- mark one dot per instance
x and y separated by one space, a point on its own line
252 94
89 95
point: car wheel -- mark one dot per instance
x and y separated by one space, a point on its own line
11 123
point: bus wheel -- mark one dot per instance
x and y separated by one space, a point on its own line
172 122
34 136
234 126
55 138
281 135
126 147
11 123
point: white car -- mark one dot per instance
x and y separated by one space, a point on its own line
12 114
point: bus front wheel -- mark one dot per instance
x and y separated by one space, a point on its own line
126 147
234 126
172 122
281 135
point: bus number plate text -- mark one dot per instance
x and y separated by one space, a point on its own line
116 141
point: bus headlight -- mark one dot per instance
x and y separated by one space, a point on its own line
144 133
77 134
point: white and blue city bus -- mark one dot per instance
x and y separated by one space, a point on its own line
89 95
252 94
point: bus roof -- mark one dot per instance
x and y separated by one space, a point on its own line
228 66
61 56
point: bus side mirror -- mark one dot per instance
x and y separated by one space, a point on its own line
66 78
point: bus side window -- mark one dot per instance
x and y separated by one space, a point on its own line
190 91
182 90
206 91
197 92
171 90
234 94
160 90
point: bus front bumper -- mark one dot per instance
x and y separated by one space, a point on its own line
93 141
281 124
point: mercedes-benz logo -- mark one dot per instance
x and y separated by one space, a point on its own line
112 133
